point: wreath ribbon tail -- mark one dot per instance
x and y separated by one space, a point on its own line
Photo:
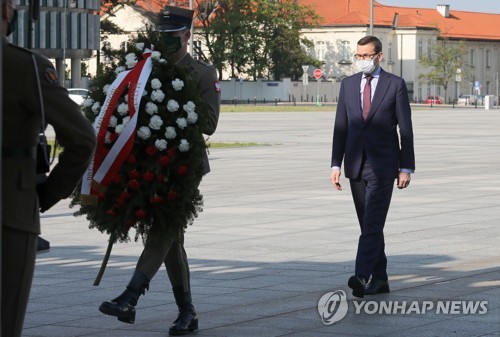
105 260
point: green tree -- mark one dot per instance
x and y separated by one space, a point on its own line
256 38
445 58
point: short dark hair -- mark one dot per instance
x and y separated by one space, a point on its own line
371 39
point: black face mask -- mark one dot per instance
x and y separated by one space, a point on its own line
12 24
173 43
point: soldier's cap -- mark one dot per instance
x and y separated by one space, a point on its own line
174 19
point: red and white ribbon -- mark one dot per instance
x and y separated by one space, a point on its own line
105 165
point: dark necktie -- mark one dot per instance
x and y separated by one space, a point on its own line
367 97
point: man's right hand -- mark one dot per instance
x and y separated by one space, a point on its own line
335 179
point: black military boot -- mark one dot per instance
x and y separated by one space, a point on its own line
123 306
186 321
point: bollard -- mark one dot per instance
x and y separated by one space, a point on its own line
276 101
255 101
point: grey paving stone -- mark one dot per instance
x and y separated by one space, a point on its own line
275 236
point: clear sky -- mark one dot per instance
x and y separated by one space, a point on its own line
484 6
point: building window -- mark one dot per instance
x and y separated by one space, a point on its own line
472 56
420 49
345 52
488 88
320 50
196 49
488 58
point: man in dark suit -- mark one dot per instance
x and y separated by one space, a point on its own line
30 83
372 105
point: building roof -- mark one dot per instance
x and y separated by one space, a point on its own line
458 25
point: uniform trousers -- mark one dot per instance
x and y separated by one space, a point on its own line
18 265
372 198
168 252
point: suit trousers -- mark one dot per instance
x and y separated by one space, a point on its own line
18 265
173 255
372 198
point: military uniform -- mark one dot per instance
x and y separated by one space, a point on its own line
171 252
21 202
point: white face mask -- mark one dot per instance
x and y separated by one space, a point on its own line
366 66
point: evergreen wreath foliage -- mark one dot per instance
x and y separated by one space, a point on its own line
156 189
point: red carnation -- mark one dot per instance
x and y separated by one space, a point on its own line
130 223
156 199
118 179
124 195
111 212
148 176
133 184
140 213
171 152
164 160
160 178
131 159
151 150
134 174
172 196
182 170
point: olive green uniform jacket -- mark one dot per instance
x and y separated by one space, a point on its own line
206 77
21 128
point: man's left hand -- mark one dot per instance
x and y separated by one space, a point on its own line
404 180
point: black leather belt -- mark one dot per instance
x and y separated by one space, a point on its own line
19 152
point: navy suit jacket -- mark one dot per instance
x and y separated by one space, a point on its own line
377 137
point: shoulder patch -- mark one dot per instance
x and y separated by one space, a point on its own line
51 76
217 86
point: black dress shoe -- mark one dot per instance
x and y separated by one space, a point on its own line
376 286
358 285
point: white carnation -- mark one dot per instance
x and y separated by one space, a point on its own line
119 128
122 109
105 89
143 133
155 55
119 70
96 107
181 123
139 46
88 102
107 139
144 93
192 117
184 145
161 144
126 120
177 84
155 83
113 121
170 133
130 60
189 107
151 108
155 122
172 105
163 61
157 96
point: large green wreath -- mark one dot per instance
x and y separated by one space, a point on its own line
156 189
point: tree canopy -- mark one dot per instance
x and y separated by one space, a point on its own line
444 60
256 39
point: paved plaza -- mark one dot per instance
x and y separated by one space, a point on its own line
275 237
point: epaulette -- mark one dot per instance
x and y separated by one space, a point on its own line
203 63
30 52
